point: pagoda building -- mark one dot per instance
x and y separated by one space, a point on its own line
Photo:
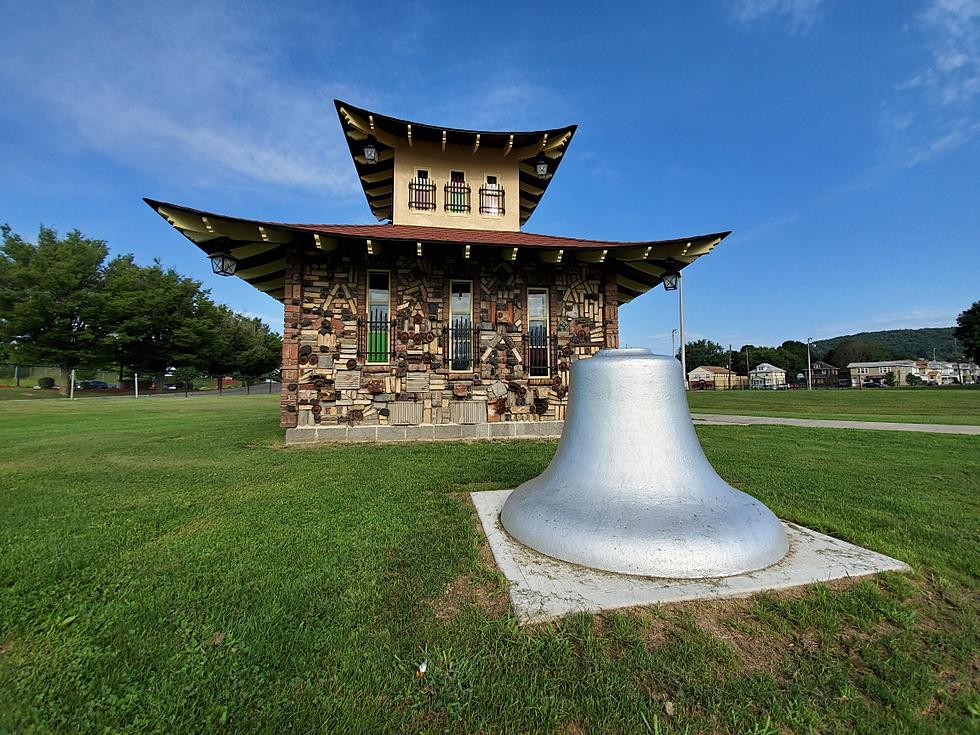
446 320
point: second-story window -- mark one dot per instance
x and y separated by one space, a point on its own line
421 191
457 193
492 197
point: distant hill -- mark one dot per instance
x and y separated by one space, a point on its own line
902 343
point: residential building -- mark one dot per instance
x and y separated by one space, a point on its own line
713 377
826 375
447 314
865 373
765 375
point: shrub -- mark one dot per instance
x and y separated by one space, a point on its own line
46 382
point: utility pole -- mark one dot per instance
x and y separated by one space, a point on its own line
680 301
729 367
809 365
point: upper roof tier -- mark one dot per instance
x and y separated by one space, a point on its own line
260 247
403 147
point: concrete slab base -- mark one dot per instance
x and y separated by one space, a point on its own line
543 588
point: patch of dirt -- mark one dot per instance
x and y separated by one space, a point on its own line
485 588
7 646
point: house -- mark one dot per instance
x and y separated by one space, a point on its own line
947 373
765 375
865 373
826 375
447 319
713 377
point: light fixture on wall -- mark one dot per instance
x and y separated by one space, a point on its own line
541 167
371 152
223 263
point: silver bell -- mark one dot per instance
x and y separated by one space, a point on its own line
629 489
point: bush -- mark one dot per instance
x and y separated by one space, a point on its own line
46 382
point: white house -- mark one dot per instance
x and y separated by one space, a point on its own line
765 375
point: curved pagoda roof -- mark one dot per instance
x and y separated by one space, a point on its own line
261 246
377 179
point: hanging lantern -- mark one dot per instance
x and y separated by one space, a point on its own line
670 280
371 152
541 167
223 263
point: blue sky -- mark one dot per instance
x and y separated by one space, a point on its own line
839 140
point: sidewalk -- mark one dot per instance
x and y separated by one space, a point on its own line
724 419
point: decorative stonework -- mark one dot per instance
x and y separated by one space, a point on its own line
327 380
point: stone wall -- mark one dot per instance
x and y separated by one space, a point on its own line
327 380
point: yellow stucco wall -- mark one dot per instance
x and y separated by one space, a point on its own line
475 166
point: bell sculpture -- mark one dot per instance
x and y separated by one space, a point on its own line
629 489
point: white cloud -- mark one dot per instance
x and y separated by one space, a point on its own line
800 15
936 110
193 90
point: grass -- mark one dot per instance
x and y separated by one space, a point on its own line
25 392
169 567
902 405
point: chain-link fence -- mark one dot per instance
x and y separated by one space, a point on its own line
92 382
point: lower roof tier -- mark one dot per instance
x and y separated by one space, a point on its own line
260 247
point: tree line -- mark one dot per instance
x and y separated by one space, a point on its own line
791 355
64 303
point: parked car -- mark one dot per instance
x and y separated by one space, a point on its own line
91 385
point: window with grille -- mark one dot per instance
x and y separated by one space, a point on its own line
461 325
378 327
537 332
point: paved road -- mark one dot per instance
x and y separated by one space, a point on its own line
723 419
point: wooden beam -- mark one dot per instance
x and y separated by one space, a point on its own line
631 284
466 251
262 270
509 254
510 144
409 135
476 143
591 256
648 268
376 176
551 256
247 250
323 243
443 140
373 248
418 249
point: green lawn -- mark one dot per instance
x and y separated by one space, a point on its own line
167 566
948 405
25 392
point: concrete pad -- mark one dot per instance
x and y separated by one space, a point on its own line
543 588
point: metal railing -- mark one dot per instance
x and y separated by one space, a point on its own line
492 200
421 194
464 342
539 357
457 196
376 337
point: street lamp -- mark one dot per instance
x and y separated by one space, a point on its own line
672 282
223 263
809 365
673 350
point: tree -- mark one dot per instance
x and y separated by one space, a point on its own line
46 293
244 346
968 331
154 318
891 379
856 351
913 379
705 352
